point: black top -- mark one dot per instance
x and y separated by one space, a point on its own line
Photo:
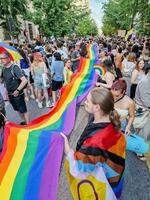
11 77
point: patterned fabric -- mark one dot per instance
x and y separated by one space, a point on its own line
100 160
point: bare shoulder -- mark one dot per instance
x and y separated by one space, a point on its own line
128 100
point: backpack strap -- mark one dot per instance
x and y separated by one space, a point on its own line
12 71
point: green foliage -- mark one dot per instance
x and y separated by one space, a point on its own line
12 9
61 17
54 17
86 26
125 14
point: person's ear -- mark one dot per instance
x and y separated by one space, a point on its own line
96 107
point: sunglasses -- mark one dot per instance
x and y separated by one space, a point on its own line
3 58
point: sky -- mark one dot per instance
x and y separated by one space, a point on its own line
97 11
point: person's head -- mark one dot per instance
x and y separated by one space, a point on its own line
119 50
118 89
145 53
57 56
68 63
71 47
5 58
107 63
131 57
37 57
100 101
102 54
77 46
140 64
59 44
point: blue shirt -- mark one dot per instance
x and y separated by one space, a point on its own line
57 69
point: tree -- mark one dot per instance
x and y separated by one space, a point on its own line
125 14
61 17
86 26
52 16
9 14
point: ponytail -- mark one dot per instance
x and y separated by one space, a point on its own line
115 119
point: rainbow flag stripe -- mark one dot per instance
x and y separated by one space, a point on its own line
31 157
92 52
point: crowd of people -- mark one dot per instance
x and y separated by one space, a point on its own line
46 67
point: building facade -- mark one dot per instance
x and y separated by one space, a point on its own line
29 30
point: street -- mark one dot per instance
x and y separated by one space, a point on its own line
137 175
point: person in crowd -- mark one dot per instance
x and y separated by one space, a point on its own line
142 99
2 120
103 130
124 105
38 68
118 58
24 65
14 86
137 74
67 71
145 55
127 68
61 50
57 73
109 77
102 55
75 57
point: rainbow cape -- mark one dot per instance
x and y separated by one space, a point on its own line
31 157
96 169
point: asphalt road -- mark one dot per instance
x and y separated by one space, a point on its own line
137 175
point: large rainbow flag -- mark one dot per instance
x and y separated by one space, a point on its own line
31 157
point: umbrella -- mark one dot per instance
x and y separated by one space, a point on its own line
14 54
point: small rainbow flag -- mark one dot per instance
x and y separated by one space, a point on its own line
99 69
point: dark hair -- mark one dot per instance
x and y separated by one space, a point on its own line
57 56
66 60
107 63
104 98
119 84
59 44
119 50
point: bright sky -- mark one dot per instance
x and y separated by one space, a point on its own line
96 11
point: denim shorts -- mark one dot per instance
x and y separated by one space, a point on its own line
38 82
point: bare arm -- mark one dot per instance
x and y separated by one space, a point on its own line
133 77
131 117
109 81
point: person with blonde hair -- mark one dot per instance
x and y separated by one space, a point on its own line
38 67
127 68
95 145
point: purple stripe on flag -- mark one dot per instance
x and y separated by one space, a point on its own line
69 121
50 176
